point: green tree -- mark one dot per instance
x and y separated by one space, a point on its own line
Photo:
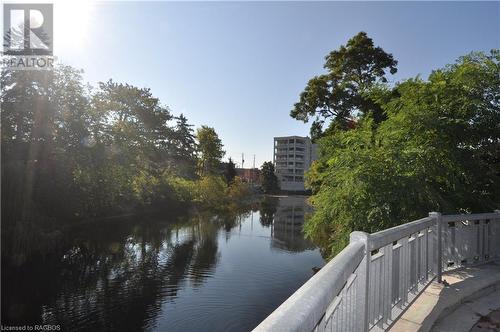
183 145
211 192
44 116
268 179
69 151
133 144
339 94
72 151
230 171
210 151
136 121
437 151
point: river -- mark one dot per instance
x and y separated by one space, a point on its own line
198 273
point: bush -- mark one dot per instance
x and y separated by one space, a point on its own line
210 192
238 191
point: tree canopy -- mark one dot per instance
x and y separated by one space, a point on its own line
210 150
438 150
73 151
268 179
394 152
341 93
229 171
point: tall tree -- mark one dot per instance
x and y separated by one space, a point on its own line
210 150
43 117
268 179
183 147
437 151
230 171
136 119
72 151
341 93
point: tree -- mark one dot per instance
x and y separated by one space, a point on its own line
69 151
268 179
183 147
72 151
136 121
437 151
230 171
210 150
341 93
44 118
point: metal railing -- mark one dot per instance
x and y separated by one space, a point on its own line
373 280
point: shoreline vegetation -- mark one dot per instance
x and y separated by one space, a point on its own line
73 153
391 152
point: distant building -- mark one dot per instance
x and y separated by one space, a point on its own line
293 156
250 175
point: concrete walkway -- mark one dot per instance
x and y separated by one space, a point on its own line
471 313
471 293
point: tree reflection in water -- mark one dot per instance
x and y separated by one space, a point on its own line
115 278
119 275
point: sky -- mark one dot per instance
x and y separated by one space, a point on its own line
240 66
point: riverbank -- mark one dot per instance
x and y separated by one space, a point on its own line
24 241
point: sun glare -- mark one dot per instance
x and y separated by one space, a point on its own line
71 24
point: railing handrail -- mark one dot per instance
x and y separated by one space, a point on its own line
386 236
471 217
372 280
318 292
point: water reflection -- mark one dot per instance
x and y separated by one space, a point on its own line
288 221
190 274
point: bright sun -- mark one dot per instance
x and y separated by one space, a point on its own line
72 23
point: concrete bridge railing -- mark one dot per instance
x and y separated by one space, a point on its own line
373 280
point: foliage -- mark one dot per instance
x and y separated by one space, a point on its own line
210 151
268 179
72 151
438 150
341 93
229 171
239 190
184 148
210 192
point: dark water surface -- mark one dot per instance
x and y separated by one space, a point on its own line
204 273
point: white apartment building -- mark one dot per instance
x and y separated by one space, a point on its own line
293 156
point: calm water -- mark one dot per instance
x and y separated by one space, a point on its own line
203 273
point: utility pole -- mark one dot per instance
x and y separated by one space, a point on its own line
252 171
242 160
